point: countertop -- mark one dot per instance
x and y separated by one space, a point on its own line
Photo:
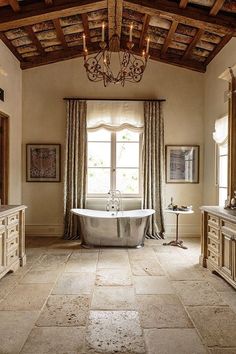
5 209
220 211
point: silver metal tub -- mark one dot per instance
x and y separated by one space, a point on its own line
105 228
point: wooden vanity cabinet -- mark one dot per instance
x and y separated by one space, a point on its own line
12 238
218 241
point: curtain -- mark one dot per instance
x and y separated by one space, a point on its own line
220 134
115 115
153 160
75 165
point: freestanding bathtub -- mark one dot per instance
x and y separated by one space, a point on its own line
110 228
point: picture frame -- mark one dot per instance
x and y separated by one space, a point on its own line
43 162
182 163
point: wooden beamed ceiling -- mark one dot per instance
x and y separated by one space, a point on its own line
185 33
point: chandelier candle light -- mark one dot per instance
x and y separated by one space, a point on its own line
99 67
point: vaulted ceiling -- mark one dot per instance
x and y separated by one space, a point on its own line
186 33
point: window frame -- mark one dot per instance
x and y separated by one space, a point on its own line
113 168
217 182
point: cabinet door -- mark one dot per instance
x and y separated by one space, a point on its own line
2 250
234 259
227 254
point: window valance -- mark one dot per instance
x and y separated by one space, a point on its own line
115 115
220 134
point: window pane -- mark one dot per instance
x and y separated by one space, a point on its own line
127 135
127 154
222 196
127 180
223 171
100 135
98 180
99 154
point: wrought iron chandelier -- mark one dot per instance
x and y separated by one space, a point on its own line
103 65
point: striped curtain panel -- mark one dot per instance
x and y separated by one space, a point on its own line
153 166
75 165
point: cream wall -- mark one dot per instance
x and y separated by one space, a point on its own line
11 83
215 107
44 122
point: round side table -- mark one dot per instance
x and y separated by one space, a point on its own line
177 242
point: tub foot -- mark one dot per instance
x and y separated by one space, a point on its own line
140 246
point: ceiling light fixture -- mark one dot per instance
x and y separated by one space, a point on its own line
112 64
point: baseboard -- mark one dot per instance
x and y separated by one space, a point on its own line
185 230
44 230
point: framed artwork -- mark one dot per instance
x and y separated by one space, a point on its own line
43 162
182 163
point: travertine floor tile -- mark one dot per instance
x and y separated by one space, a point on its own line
230 299
218 283
184 272
74 283
149 266
141 253
7 283
65 311
113 277
162 311
173 341
55 340
82 262
197 293
53 260
215 324
222 350
41 276
148 285
15 327
114 332
113 260
26 297
113 298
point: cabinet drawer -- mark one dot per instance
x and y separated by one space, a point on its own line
213 245
12 257
213 257
2 222
12 230
13 218
228 228
12 244
213 233
213 220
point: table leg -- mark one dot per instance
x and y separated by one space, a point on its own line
176 242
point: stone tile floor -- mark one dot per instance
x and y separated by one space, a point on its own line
155 300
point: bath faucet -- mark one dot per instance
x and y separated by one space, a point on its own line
114 200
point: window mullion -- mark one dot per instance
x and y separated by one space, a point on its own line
113 160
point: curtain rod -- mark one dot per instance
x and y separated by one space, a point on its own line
112 99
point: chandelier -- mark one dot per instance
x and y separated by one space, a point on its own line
111 64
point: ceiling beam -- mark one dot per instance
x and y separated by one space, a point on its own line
216 7
34 39
59 55
196 17
169 37
10 46
193 43
144 31
222 43
114 16
37 12
48 2
86 28
14 5
155 54
60 34
183 4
